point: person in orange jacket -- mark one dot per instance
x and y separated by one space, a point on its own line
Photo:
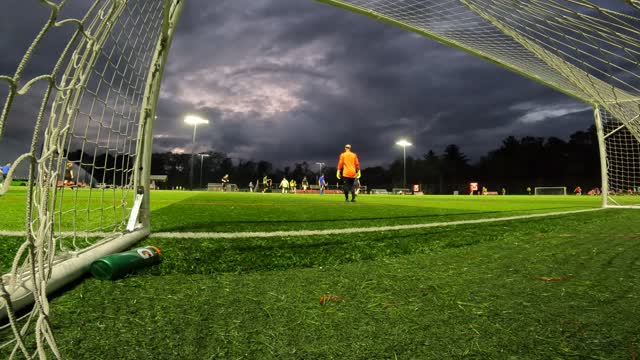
349 169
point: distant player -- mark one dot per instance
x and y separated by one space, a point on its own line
321 183
284 184
68 174
225 182
349 169
292 186
4 171
265 183
305 184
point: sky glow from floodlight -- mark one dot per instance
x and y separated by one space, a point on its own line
403 142
195 120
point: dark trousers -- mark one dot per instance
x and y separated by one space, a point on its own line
349 188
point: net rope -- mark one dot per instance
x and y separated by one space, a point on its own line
578 47
587 49
84 146
622 162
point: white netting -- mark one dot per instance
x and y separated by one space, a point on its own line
85 146
587 49
622 161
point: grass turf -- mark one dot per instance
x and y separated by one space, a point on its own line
558 287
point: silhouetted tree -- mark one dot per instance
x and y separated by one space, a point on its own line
516 164
455 167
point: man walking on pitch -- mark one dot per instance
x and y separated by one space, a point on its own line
284 184
69 176
349 169
321 184
225 182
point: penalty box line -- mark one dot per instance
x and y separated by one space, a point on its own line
269 234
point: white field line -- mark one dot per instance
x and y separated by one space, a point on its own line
223 235
247 234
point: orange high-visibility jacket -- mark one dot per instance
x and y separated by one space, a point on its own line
349 164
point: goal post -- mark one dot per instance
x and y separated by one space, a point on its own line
619 159
550 190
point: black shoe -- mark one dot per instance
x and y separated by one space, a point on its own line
353 200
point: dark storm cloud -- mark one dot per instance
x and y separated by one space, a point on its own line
291 80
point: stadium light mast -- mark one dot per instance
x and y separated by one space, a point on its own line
195 121
320 164
202 156
404 143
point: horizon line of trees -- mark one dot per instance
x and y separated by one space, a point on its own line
517 164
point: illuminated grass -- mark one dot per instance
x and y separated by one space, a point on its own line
560 287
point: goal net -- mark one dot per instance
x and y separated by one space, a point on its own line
621 165
589 50
95 110
550 190
89 155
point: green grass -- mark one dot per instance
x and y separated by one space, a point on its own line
468 291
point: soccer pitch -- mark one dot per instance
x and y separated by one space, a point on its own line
549 287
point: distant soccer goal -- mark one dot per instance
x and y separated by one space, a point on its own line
214 187
220 188
550 190
379 192
401 191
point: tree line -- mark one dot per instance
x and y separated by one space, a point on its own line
517 164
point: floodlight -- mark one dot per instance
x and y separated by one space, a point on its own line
403 142
195 120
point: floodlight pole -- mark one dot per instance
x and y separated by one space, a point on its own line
202 156
193 120
404 144
193 150
404 167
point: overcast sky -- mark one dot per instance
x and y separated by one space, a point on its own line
291 80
